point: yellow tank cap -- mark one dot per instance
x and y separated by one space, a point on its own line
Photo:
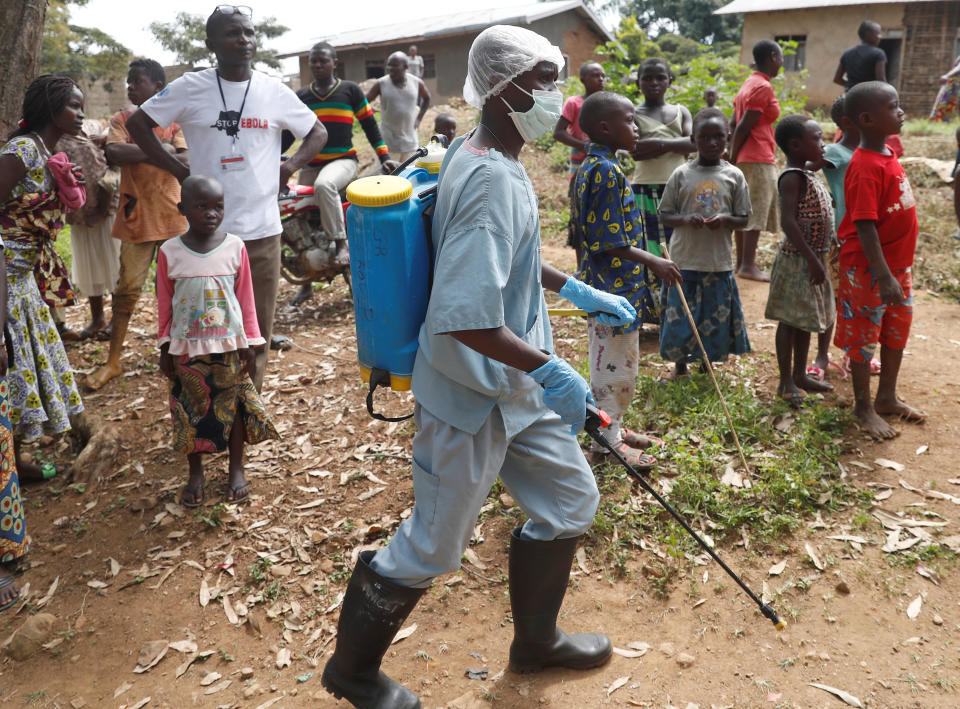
432 167
379 191
398 382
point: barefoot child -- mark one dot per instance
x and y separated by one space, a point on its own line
569 132
878 237
704 201
608 225
663 146
208 333
801 297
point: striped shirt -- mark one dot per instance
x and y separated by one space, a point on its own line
337 110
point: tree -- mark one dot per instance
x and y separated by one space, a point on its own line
186 38
689 18
21 33
83 53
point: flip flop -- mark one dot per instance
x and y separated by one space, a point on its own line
103 334
280 342
69 335
794 398
843 372
814 372
874 366
197 494
4 582
234 493
639 440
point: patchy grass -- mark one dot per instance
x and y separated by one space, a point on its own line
795 469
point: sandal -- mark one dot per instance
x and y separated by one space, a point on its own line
197 496
238 493
4 582
48 471
816 373
639 440
69 335
794 398
636 459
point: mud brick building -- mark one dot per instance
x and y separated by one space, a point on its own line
921 39
444 42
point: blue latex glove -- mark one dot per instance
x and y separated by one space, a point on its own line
613 310
564 391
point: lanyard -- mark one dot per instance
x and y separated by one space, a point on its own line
242 103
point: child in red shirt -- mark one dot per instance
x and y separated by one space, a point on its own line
878 237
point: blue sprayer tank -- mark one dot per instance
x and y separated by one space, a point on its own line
390 265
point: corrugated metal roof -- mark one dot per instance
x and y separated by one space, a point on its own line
455 23
768 6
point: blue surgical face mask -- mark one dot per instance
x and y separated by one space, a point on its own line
541 117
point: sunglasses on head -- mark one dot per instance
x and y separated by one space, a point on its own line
234 10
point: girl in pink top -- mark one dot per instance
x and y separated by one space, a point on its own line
208 341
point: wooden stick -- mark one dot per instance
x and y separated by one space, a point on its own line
706 360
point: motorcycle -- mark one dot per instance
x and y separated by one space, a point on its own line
307 250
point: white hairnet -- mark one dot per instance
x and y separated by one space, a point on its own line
499 54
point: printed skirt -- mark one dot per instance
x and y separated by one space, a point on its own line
714 300
794 301
14 542
42 389
207 396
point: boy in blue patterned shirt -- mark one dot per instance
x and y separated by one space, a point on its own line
608 225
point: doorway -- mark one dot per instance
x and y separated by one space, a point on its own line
893 48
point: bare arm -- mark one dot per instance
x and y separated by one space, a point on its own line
12 170
890 291
742 132
373 92
665 269
424 103
562 135
956 196
790 187
552 278
880 70
140 126
501 344
838 76
312 144
655 147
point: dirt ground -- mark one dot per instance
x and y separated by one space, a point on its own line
121 564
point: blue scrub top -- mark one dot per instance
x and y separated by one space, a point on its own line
486 236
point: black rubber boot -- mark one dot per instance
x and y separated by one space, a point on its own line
539 572
372 613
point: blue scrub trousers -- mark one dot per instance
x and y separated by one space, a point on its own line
542 467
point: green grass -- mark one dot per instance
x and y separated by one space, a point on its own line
922 126
795 473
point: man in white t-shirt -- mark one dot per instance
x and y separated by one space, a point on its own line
232 117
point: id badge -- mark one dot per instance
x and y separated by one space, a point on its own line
233 163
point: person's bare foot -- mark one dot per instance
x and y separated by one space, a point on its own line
872 423
808 383
102 376
302 295
752 273
899 408
9 590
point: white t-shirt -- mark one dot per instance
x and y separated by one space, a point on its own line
250 184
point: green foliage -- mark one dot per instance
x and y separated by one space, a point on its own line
695 68
211 516
794 472
186 38
690 18
83 53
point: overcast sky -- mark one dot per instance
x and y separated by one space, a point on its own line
306 18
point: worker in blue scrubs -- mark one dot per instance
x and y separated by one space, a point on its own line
493 400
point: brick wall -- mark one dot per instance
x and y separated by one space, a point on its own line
931 29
